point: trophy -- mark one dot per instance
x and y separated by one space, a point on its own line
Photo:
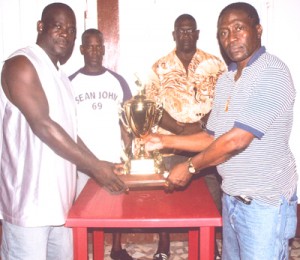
140 116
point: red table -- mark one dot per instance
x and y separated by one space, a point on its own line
192 208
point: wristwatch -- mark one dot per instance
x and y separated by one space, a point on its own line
191 167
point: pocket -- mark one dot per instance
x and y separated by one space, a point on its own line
291 223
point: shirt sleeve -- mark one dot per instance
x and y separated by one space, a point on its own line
272 95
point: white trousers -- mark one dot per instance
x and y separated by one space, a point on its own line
36 243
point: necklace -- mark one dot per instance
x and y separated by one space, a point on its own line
227 104
232 92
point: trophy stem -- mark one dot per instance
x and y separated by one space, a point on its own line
142 152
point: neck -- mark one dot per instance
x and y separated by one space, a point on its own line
93 70
185 58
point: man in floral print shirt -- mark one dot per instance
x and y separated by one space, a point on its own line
184 82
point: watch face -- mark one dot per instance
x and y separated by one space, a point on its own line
191 167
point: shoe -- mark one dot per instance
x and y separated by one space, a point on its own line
160 256
120 255
217 254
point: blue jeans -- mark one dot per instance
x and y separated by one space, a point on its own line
257 231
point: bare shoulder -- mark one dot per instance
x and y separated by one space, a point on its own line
18 75
16 68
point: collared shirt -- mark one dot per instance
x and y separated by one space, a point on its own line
261 102
186 95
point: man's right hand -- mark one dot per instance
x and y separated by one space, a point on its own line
106 177
153 142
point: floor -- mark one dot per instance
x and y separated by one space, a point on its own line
179 250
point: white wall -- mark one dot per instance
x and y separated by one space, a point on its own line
146 29
18 19
145 33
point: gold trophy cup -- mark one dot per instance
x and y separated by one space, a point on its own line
142 169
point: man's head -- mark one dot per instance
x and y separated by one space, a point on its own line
92 48
239 32
185 34
57 31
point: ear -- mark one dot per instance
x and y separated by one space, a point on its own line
81 49
198 32
174 36
40 27
259 30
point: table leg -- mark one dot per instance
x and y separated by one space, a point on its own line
98 244
193 246
207 243
80 243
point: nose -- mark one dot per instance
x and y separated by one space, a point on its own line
232 36
63 32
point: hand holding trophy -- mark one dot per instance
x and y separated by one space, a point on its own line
140 115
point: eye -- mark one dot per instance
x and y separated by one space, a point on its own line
71 30
188 31
222 34
239 28
88 47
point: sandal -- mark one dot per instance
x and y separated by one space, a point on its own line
120 255
160 256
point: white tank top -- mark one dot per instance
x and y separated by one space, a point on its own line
37 186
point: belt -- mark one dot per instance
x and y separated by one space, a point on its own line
246 200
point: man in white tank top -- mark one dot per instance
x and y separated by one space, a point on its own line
40 148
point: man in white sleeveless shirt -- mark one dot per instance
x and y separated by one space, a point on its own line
40 148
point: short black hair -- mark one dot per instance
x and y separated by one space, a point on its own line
91 31
52 8
184 17
247 8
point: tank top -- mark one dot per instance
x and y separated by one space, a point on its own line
37 185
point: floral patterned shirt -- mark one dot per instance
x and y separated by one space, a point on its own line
186 95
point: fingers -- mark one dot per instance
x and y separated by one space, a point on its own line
117 187
169 186
118 190
113 184
152 142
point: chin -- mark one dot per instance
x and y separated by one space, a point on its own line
64 58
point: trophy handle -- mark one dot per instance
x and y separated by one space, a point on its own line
123 119
158 116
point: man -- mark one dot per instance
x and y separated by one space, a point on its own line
40 146
247 138
99 93
184 82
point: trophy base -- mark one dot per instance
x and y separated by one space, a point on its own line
142 167
144 173
144 181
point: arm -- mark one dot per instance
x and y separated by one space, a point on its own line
22 87
219 151
223 148
191 143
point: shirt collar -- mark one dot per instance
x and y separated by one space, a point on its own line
233 66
